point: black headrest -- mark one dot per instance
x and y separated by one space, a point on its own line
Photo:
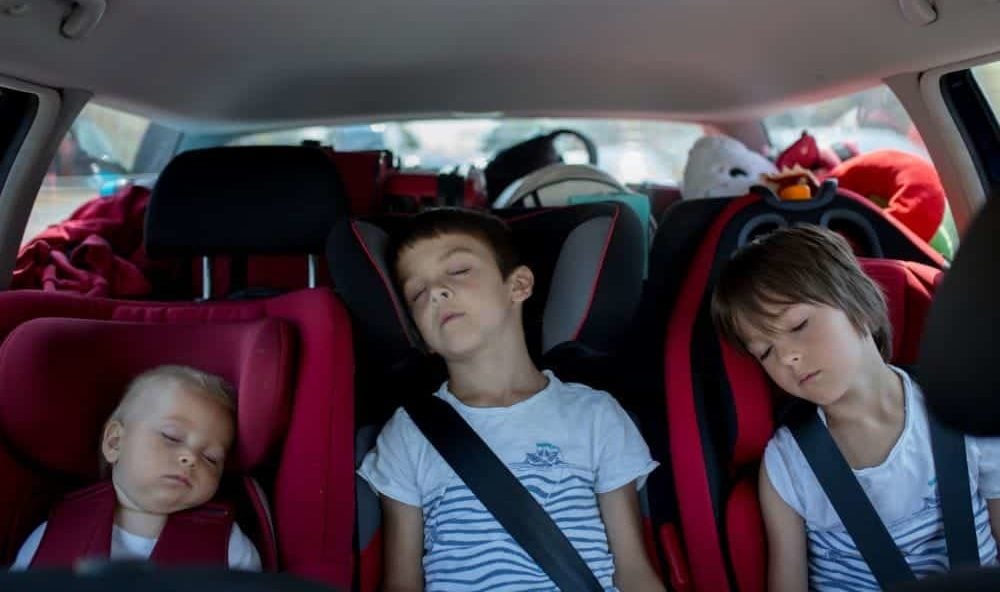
959 358
245 200
587 259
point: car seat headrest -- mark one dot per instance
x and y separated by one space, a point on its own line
553 186
587 261
252 200
958 355
64 376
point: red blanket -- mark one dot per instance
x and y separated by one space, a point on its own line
97 251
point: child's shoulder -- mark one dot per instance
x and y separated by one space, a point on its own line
400 428
579 393
783 448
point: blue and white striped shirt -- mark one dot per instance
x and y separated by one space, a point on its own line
566 444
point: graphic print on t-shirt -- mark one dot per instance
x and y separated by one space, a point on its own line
468 548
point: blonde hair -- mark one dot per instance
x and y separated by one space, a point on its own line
209 385
801 264
204 383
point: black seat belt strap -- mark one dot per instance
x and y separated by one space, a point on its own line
952 469
503 495
851 502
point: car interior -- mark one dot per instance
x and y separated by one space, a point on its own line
217 184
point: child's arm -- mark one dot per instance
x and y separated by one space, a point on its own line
404 546
620 512
787 569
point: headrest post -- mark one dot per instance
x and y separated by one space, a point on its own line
312 270
206 278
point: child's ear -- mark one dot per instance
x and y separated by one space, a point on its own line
522 283
111 441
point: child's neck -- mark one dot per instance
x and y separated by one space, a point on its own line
875 396
129 517
140 523
496 377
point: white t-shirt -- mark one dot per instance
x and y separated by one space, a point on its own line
566 444
125 545
903 491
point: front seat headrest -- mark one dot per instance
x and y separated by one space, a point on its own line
251 200
959 359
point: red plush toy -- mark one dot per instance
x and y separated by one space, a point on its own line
806 153
908 188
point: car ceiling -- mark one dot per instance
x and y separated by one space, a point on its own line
251 63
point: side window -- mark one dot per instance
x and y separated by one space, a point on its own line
869 120
974 98
95 158
988 78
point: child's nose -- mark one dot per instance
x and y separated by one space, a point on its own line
441 293
187 459
791 356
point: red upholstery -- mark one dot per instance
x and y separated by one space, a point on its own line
80 526
96 251
745 533
277 273
410 191
677 563
301 339
718 406
363 173
908 287
64 364
705 551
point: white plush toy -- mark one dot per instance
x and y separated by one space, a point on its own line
720 166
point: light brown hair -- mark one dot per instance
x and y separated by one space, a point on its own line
802 264
209 385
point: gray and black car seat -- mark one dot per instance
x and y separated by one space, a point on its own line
587 262
705 406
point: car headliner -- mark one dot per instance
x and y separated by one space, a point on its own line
249 63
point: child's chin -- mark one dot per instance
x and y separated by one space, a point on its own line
459 348
823 399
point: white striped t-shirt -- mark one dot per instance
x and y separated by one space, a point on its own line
903 490
566 444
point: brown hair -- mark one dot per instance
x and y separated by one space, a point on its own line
490 230
801 264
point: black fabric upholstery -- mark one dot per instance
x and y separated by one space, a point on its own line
387 346
356 255
958 356
541 237
245 200
359 275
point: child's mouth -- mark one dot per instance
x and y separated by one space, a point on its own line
449 317
179 480
809 377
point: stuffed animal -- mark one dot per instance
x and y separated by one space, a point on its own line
806 153
906 187
792 184
720 166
